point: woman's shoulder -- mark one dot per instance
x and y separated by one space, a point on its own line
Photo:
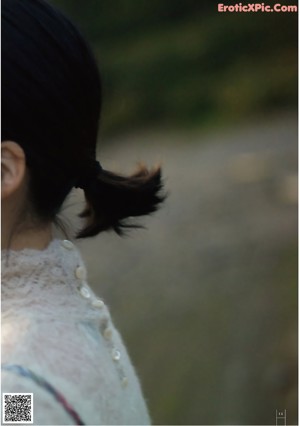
65 334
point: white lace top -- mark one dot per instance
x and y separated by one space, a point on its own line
54 325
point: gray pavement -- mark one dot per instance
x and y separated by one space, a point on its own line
206 296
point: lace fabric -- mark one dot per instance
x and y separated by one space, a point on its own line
54 325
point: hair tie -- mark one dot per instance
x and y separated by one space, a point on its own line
89 175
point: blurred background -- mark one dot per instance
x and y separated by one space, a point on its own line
206 297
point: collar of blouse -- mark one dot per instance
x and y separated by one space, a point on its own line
47 281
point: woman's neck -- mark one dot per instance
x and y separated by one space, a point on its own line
34 238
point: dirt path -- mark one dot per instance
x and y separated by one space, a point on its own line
206 298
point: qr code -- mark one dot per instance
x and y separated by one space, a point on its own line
17 408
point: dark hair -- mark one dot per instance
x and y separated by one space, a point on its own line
51 103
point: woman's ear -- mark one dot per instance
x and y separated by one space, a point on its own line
13 168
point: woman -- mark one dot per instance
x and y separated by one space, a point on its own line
58 340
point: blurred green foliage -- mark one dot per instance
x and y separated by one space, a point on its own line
180 62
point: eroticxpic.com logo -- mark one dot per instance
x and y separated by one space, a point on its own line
257 7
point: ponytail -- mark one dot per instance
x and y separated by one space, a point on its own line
63 97
113 199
